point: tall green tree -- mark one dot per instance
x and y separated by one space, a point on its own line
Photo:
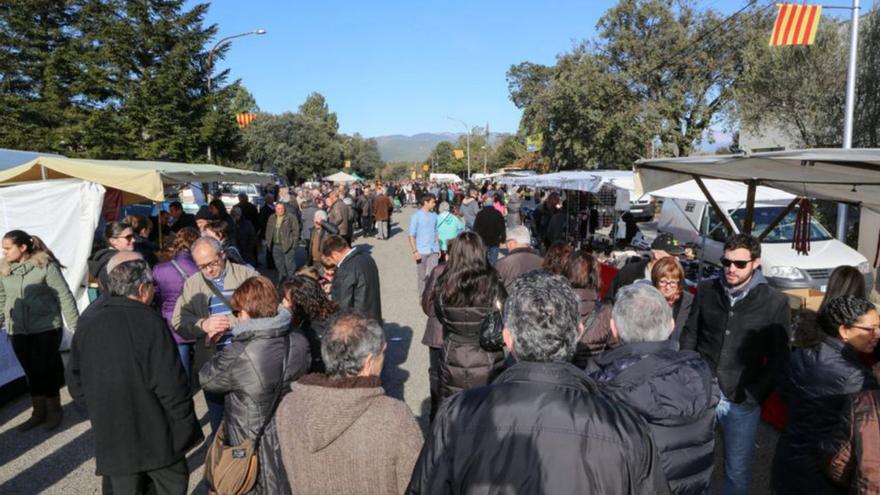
363 154
508 151
441 157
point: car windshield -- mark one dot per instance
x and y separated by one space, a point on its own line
783 232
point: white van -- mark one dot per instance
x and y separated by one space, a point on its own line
691 220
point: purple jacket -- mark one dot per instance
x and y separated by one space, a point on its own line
169 283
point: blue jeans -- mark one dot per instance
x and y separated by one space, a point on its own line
492 253
185 351
739 424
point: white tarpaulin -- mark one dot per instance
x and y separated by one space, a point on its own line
341 178
575 180
846 175
445 178
64 214
725 192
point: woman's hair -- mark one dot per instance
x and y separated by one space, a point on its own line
309 301
219 206
219 227
181 242
844 281
499 199
114 229
843 310
583 271
469 279
138 223
310 272
256 296
557 257
668 267
32 243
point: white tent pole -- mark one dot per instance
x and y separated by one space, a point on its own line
850 104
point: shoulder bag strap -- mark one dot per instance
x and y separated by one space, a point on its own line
217 292
591 318
278 391
177 267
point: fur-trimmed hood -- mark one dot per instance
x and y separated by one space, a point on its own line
39 260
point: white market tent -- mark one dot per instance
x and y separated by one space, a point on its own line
341 178
843 175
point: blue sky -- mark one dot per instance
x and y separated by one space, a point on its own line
401 67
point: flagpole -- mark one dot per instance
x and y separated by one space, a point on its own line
850 105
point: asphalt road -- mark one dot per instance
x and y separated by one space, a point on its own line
63 463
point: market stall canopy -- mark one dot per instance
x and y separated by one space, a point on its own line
13 158
572 180
138 180
844 175
727 193
341 178
438 177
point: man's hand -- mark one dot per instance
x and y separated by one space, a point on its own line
417 256
214 327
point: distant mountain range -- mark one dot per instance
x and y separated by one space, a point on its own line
415 148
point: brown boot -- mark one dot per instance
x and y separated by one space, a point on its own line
53 413
38 414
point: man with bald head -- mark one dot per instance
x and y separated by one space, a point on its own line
203 311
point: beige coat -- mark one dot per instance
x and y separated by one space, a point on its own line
369 443
193 307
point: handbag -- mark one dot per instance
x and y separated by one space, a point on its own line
233 469
491 329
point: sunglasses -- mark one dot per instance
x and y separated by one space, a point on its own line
737 263
129 237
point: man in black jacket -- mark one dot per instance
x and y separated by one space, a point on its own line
543 426
356 281
740 326
181 218
663 246
282 239
124 366
673 390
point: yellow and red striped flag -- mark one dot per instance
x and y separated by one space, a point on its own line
245 119
796 24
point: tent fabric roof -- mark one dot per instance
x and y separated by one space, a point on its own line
341 177
725 192
845 175
138 180
13 158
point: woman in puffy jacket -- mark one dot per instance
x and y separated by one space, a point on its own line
582 271
467 291
33 297
820 375
254 372
168 279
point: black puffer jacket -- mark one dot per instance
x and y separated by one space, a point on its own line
540 428
675 393
465 364
597 336
815 386
248 371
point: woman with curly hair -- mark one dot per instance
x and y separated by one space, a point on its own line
465 293
820 375
312 310
168 279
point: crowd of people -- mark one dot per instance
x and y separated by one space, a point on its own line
542 380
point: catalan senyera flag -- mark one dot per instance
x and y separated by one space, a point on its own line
245 119
796 24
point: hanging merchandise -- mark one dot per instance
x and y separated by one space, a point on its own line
801 239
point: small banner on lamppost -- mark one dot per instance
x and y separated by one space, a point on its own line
534 142
458 154
426 167
245 119
796 24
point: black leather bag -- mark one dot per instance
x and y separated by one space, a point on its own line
491 329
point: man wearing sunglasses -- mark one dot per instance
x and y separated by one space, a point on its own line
740 325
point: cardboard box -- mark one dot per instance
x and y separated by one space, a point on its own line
804 298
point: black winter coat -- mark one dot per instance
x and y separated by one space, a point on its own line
542 428
464 364
125 368
356 284
675 393
746 346
815 385
248 372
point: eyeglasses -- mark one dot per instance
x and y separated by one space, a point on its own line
236 312
867 329
210 264
737 263
669 283
129 237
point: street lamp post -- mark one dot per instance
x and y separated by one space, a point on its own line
468 141
211 58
